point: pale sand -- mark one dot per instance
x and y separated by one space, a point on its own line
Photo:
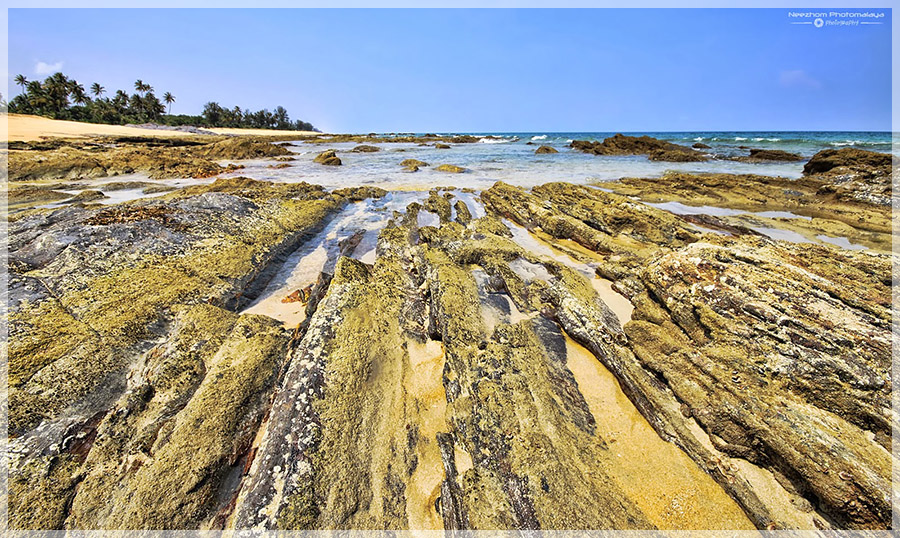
25 128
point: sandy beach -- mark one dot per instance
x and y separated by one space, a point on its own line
27 128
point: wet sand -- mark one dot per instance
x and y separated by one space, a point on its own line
425 392
667 485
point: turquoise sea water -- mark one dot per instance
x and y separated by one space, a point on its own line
509 157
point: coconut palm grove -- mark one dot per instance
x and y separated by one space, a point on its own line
64 98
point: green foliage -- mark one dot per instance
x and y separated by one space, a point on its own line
60 97
214 115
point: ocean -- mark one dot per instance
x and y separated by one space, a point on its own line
510 158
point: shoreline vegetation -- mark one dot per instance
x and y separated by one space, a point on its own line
63 98
553 357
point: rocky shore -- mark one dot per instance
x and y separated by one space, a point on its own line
560 357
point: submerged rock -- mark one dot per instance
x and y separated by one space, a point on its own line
700 145
363 148
452 168
762 155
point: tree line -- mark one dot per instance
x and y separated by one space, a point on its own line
63 98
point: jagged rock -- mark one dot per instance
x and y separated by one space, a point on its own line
628 231
545 149
463 215
768 345
447 384
112 273
214 374
439 205
452 168
328 158
780 361
656 150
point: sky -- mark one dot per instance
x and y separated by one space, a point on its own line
468 70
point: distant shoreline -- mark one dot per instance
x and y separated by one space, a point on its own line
28 128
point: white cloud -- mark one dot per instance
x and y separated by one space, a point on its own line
42 68
798 78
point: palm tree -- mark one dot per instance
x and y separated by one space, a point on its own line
78 94
58 89
21 81
97 89
169 99
35 95
120 101
141 87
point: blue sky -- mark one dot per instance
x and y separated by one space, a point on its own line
481 70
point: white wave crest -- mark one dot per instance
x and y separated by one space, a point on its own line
494 141
846 143
541 137
739 138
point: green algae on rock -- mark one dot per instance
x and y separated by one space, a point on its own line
686 315
861 205
472 376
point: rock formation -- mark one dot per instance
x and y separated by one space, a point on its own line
656 150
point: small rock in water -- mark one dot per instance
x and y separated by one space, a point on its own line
328 158
452 168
